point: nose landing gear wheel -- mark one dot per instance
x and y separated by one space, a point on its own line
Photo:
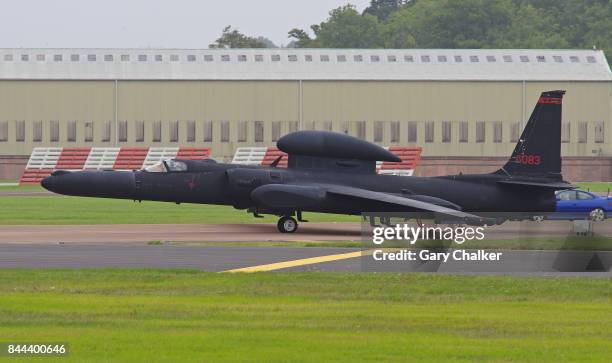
287 225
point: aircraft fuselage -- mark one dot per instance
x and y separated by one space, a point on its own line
230 184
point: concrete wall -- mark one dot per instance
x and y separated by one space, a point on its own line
11 166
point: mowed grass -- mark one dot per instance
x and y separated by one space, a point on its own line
600 187
191 316
22 188
581 243
75 210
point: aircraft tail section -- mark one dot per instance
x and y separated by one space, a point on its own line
538 150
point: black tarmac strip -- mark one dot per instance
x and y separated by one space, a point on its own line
221 258
210 258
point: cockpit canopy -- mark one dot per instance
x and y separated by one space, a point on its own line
165 166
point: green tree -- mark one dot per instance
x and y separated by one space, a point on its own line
530 28
397 31
582 24
346 28
383 8
266 42
301 39
232 38
465 24
600 31
457 24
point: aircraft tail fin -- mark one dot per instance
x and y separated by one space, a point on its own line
538 150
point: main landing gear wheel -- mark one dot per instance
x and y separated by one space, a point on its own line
287 224
597 215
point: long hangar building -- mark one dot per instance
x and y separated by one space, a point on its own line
465 108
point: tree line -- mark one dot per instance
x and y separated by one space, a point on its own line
581 24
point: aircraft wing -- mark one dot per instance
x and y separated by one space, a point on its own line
396 200
551 185
285 196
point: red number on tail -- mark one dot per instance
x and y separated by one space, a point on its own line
528 159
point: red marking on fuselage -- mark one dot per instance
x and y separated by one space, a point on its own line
526 159
550 100
191 184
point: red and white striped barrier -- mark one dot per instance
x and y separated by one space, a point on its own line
259 156
266 155
43 161
410 157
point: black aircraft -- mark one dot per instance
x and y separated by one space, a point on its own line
336 173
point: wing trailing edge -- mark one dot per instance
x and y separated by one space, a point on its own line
550 185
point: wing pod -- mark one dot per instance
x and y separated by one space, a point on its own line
335 145
287 196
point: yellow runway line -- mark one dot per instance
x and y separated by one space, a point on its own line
301 262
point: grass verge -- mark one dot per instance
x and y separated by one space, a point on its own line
22 188
600 187
587 243
76 210
331 244
170 315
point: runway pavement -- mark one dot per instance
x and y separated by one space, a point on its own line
128 246
253 259
143 233
255 232
140 256
18 193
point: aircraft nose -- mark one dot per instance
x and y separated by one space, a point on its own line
50 182
47 183
105 184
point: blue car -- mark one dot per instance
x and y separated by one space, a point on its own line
578 204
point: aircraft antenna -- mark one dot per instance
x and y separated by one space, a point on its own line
276 161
